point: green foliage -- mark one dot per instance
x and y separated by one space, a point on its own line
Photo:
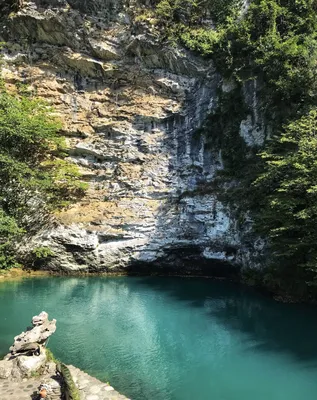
287 191
9 230
70 387
275 43
222 130
62 182
38 256
200 39
35 177
194 13
190 21
50 356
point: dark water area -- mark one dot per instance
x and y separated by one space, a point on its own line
172 338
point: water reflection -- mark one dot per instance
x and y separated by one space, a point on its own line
289 328
172 338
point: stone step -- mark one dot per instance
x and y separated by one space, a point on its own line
24 390
90 388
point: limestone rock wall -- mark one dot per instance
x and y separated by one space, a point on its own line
130 109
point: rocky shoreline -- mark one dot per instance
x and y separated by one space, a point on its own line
19 273
29 370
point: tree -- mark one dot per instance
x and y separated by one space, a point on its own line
288 189
35 177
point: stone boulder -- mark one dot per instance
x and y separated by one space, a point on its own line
41 331
5 369
31 364
28 354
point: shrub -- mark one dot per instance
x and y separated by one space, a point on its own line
35 176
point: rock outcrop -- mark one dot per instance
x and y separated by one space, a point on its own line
34 338
28 354
26 373
131 109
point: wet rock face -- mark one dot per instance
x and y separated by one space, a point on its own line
130 109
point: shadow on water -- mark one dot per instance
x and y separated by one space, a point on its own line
272 326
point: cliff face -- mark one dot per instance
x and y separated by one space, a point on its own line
131 109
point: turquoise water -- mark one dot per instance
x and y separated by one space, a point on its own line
172 338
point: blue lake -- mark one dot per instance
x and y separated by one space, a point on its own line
172 338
